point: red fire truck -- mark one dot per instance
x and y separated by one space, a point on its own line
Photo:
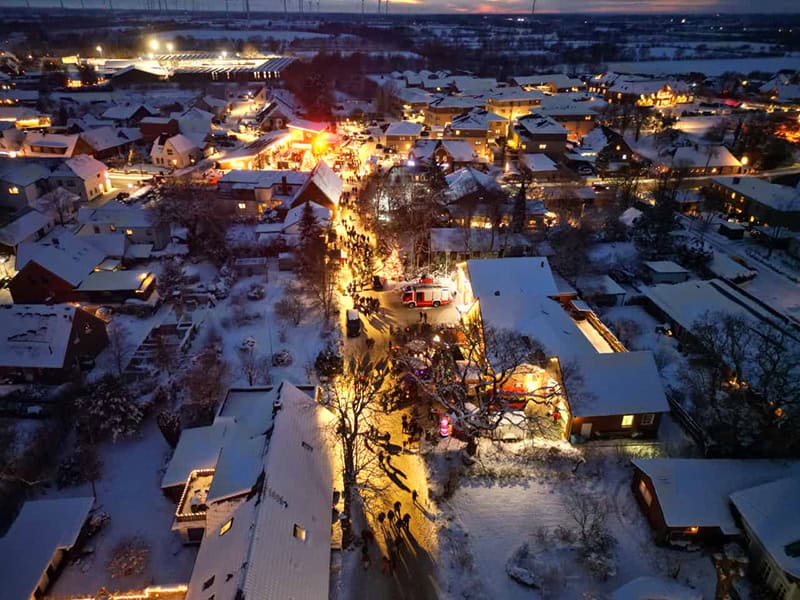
426 295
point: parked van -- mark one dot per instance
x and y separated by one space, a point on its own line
426 295
353 323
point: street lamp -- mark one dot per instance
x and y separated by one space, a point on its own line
170 47
99 50
153 44
745 160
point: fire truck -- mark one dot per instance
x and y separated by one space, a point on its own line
426 295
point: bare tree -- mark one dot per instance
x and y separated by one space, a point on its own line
469 371
354 397
120 348
254 367
204 382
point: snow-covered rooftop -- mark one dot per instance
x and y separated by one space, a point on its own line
23 227
538 163
691 300
538 317
460 239
777 197
104 138
703 157
617 383
35 335
695 492
83 166
198 448
114 281
664 266
770 510
515 277
278 543
116 213
459 150
542 125
466 180
42 528
404 128
67 256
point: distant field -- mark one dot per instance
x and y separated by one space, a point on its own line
240 34
710 67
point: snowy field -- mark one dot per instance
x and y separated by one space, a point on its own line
499 515
711 67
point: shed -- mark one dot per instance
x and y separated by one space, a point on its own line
665 271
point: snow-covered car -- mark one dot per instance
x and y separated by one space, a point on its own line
248 344
256 292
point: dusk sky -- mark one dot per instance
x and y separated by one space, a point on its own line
483 6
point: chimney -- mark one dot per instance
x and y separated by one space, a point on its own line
276 406
284 186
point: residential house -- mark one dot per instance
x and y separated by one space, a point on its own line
255 155
276 114
128 114
22 183
514 102
47 343
51 270
400 136
193 121
82 175
682 305
108 142
552 83
29 226
480 128
615 394
39 542
305 131
216 106
604 148
450 155
267 508
153 127
469 192
649 93
23 117
440 112
138 224
139 74
688 500
537 134
177 151
577 115
539 167
772 532
759 201
38 144
253 192
452 245
289 230
702 160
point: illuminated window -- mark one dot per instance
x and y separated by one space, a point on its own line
13 190
542 146
648 419
129 232
644 492
226 526
299 532
208 582
627 421
242 206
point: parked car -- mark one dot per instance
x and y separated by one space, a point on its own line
353 323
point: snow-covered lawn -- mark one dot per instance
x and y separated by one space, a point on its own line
490 518
130 493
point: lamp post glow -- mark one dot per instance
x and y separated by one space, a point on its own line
99 50
153 45
170 47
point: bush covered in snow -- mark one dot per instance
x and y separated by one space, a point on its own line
105 409
535 570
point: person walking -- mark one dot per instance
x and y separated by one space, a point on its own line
390 516
406 520
397 506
